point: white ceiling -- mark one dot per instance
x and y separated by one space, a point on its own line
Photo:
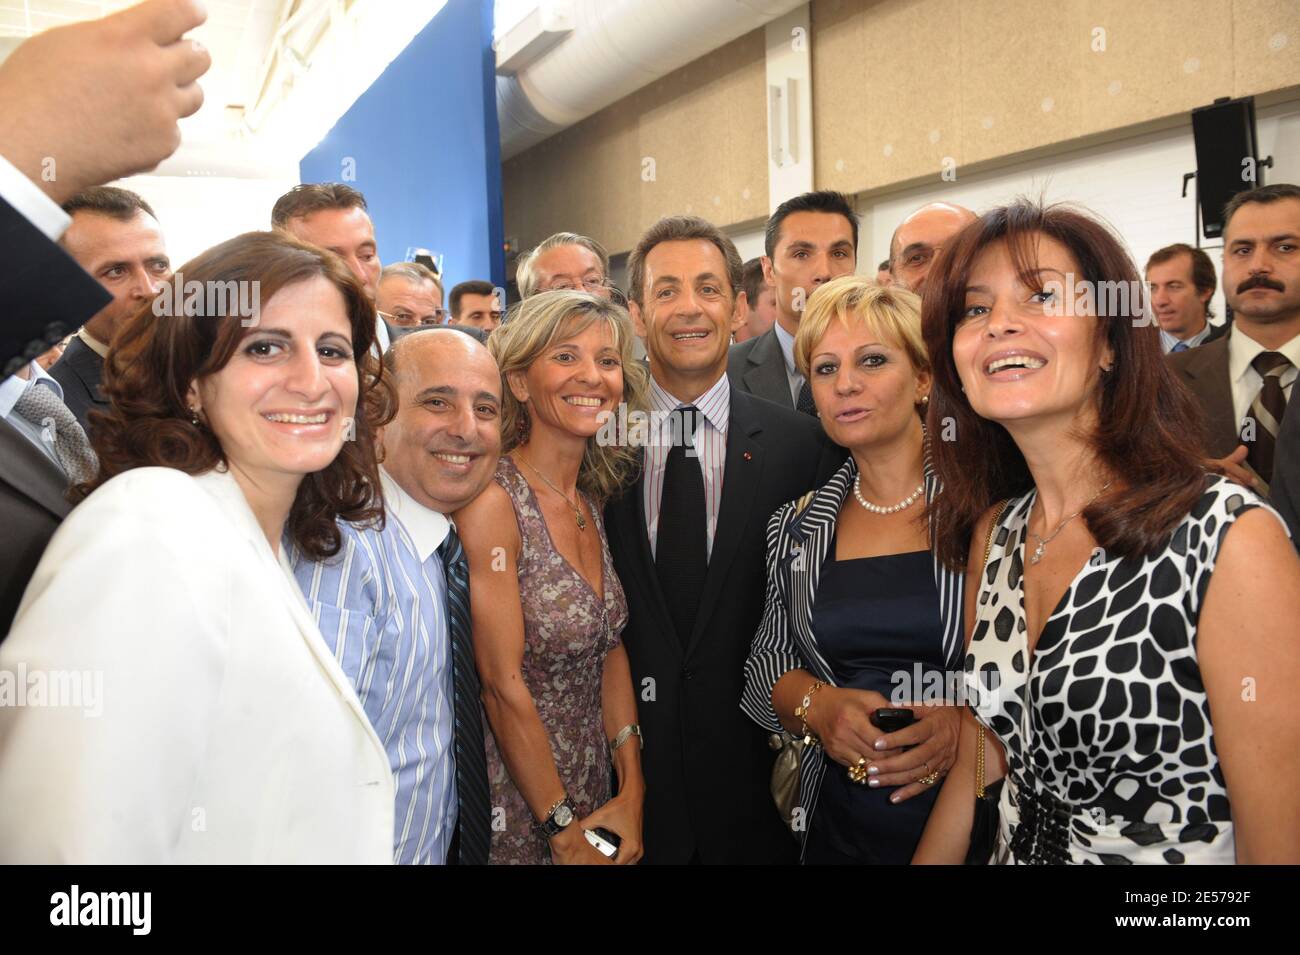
283 71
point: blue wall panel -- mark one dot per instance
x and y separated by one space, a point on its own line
423 146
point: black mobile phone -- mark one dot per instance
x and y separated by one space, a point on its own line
605 841
891 721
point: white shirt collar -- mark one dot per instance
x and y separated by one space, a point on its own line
428 528
1242 350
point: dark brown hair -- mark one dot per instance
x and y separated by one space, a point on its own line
752 280
825 200
1149 431
678 229
302 200
1264 194
471 287
1203 274
112 201
155 358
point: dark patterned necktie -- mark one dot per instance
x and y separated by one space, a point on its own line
1267 409
474 815
805 401
681 541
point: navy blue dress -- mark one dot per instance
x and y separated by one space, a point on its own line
873 617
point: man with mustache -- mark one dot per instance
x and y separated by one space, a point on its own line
393 604
1245 380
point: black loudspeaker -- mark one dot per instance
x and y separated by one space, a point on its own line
1226 151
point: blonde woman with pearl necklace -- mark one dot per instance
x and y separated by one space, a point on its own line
857 606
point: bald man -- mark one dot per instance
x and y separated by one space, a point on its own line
393 605
920 237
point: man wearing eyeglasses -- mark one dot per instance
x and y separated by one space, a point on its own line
410 295
566 260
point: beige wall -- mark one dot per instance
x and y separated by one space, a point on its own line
898 86
703 126
1000 77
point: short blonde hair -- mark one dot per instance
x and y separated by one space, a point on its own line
891 313
535 325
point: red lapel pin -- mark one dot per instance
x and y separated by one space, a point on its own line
748 456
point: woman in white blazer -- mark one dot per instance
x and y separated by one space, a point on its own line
179 704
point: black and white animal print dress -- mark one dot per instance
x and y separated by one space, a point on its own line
1123 768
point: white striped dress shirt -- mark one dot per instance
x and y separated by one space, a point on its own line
710 449
381 605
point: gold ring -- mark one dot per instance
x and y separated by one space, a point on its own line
930 780
858 771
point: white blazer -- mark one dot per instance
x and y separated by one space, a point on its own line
227 732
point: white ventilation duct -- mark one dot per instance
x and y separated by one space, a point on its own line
617 47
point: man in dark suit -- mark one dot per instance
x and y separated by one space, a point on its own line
116 238
1181 282
32 506
1245 381
688 543
64 128
810 240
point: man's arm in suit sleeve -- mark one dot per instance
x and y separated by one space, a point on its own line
129 606
45 294
773 653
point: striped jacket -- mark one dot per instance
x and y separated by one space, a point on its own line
799 538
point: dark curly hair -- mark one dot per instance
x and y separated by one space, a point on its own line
154 359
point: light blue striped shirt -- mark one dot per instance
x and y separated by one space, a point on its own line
381 604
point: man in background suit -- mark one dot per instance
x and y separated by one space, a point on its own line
919 238
1245 381
116 238
688 543
809 240
31 507
1181 282
335 216
84 104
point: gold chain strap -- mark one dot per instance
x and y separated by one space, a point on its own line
979 734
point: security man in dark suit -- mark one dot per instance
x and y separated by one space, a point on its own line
1245 381
810 240
688 544
116 238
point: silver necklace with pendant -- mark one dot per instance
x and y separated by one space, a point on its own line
1044 541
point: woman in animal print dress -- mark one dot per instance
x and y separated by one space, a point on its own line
1132 637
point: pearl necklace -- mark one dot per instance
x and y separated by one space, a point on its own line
894 509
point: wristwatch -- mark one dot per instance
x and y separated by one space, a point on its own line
560 816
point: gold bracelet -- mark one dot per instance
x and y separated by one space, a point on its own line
801 714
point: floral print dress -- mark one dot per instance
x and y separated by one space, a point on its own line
568 632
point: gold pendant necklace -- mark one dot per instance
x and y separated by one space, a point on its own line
577 511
